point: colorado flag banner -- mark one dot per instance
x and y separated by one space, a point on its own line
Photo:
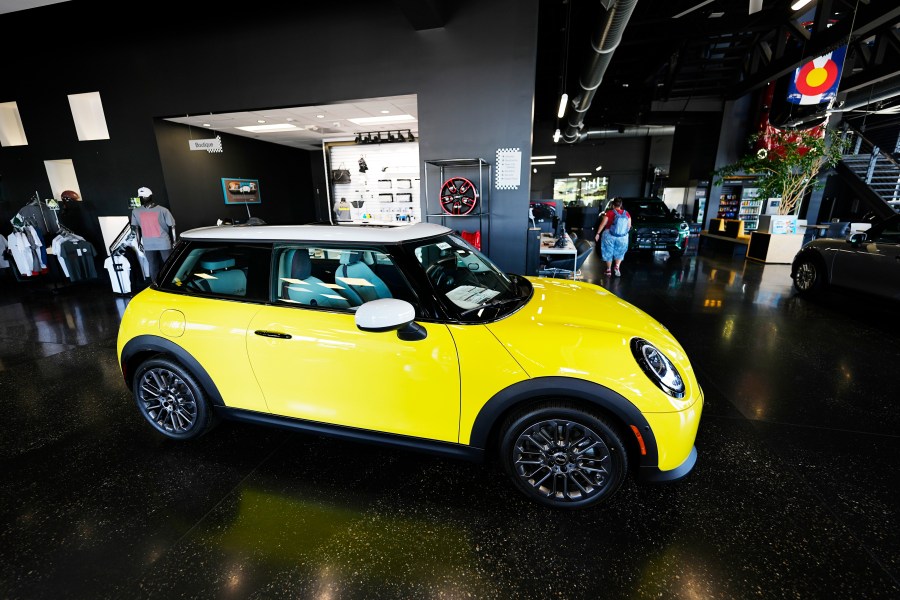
817 81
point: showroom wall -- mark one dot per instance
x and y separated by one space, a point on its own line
193 179
474 78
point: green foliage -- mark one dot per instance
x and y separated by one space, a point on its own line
786 163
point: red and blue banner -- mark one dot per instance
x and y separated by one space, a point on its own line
817 81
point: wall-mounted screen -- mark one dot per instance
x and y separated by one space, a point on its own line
241 191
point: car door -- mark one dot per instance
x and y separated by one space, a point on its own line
313 363
872 266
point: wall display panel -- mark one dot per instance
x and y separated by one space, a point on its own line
384 181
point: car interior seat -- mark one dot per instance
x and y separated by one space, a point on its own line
221 277
301 287
358 276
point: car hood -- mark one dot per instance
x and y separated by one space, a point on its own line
656 220
576 329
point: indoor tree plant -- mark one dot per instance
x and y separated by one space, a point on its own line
786 163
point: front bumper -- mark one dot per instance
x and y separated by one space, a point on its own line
655 475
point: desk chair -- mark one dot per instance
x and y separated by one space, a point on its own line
562 267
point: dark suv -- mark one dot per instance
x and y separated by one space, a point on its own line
654 226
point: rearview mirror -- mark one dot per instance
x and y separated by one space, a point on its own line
857 238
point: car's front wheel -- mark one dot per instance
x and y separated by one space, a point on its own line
809 276
171 400
563 456
676 252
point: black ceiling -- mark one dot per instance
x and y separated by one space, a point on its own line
715 52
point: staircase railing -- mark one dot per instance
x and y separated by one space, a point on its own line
879 170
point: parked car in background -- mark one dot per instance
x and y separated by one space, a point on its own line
408 336
654 226
867 261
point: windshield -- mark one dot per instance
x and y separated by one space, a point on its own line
647 208
467 282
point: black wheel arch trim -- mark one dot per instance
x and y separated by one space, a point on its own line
391 440
152 343
564 388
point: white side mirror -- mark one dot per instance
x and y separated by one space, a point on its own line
384 314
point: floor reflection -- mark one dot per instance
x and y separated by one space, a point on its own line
789 497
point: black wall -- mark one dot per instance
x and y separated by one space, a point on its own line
474 78
193 178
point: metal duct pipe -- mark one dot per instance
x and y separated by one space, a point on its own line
627 132
603 45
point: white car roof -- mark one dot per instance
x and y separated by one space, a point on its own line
318 233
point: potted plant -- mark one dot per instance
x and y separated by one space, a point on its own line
786 163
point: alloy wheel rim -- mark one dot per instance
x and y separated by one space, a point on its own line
806 274
168 401
562 460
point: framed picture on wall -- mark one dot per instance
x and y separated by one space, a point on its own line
241 191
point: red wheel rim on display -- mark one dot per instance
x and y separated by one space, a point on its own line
458 196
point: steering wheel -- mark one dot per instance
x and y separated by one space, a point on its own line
440 277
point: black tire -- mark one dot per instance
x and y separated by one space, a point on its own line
809 276
171 400
563 456
676 252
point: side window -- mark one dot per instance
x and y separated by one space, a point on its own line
238 271
891 233
337 278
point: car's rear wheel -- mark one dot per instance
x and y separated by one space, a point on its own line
171 400
563 456
809 276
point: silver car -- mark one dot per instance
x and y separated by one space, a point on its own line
867 261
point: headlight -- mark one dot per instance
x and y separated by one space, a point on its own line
658 367
684 226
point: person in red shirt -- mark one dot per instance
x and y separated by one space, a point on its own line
612 235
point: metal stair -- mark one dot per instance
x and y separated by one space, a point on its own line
873 173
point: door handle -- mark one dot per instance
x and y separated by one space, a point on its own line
273 334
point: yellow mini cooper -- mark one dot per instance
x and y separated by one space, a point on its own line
407 335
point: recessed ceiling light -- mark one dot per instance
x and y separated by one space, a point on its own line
546 157
385 112
275 127
289 119
320 116
578 174
598 167
207 125
260 121
624 85
383 120
543 162
716 15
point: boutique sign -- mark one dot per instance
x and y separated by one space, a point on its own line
210 145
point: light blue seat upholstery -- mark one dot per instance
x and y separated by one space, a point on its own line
359 277
303 288
222 277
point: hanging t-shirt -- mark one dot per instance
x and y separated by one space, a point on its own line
154 222
4 264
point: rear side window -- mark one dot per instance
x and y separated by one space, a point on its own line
222 270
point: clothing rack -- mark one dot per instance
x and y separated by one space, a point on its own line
49 229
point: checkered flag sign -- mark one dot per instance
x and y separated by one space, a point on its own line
508 175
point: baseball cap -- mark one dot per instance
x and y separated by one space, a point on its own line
144 192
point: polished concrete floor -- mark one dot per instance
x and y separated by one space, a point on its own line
794 494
